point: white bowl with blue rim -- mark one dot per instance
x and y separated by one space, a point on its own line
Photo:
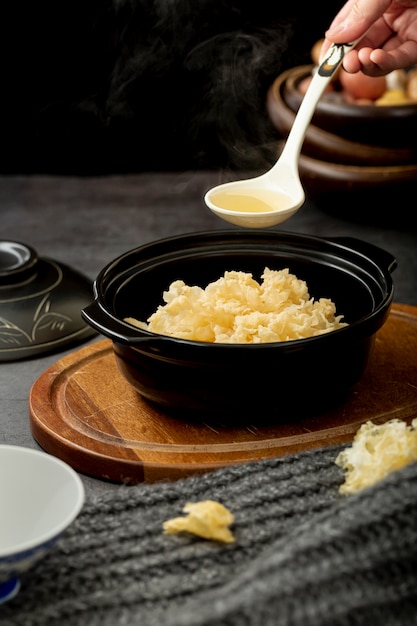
40 496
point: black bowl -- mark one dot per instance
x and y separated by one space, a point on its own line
267 381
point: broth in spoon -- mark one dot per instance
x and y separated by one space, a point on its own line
275 196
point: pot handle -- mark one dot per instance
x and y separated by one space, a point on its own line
120 331
380 256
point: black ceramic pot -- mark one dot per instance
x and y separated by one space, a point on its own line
235 381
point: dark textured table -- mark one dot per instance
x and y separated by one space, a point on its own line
86 222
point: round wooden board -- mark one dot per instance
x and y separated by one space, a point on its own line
83 411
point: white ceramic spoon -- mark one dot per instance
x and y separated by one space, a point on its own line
275 196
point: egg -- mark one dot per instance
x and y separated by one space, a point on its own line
412 85
362 87
316 50
393 97
304 84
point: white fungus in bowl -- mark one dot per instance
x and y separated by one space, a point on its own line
238 309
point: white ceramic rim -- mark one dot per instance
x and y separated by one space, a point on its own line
65 522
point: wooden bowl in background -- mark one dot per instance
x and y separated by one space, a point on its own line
388 125
322 144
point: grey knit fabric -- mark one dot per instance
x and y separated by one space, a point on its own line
304 555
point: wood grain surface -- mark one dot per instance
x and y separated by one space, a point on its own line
83 411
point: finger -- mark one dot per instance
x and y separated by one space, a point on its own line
399 56
355 19
380 62
351 62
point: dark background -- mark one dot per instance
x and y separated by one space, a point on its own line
107 86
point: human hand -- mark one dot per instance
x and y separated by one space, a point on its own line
389 31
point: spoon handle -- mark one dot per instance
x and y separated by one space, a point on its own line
334 58
321 78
